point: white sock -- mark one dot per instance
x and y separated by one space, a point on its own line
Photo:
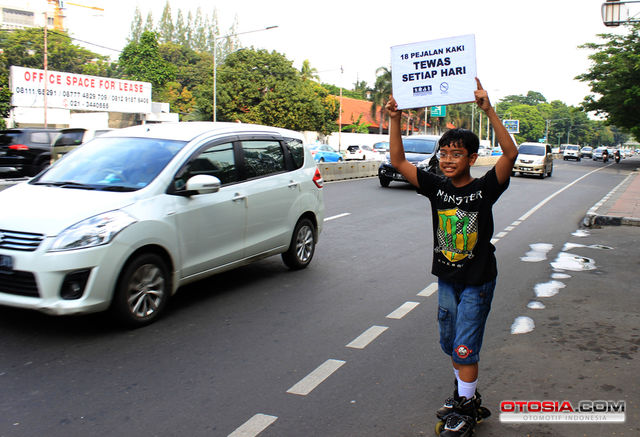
457 373
467 389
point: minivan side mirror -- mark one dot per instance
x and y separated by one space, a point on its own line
203 184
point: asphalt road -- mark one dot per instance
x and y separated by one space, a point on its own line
346 347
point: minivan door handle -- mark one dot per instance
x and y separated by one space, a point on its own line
238 197
293 184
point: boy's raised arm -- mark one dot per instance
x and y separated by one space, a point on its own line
504 166
396 149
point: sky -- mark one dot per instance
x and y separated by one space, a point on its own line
520 45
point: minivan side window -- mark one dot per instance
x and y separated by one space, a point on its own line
218 161
262 157
296 149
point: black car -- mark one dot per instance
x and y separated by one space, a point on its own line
28 150
420 150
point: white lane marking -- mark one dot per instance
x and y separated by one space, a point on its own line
315 378
540 205
403 310
432 288
367 337
254 426
544 201
344 214
509 228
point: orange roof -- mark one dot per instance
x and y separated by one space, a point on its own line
352 108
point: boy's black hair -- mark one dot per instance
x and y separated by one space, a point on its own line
460 137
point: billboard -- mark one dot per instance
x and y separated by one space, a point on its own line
78 92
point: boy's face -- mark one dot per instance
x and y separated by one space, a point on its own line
455 160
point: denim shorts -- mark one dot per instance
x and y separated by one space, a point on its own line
462 314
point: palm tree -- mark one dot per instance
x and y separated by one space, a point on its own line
306 72
380 94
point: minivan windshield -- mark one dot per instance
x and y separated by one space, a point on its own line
416 145
531 149
122 164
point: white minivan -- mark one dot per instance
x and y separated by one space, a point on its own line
124 221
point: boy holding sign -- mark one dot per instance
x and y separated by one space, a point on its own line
464 260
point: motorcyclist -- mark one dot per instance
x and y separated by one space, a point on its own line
616 154
605 155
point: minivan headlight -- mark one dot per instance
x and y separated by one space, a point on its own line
94 231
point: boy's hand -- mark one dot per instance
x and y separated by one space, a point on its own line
482 98
392 108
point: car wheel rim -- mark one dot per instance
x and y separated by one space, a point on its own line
304 244
146 291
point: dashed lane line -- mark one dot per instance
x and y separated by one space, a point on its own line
315 378
254 426
367 337
402 310
333 217
429 290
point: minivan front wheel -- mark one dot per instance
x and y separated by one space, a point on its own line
142 291
302 247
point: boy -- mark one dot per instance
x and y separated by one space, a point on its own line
463 260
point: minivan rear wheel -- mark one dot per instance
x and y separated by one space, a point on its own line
302 247
142 291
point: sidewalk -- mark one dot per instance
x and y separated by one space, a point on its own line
620 207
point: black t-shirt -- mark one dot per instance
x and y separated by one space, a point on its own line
462 226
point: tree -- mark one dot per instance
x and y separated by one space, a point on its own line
357 126
614 77
136 26
257 86
532 125
25 48
380 93
307 72
142 61
180 35
165 26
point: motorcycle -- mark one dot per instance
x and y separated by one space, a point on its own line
617 156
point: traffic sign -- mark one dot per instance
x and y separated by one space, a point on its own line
438 111
513 126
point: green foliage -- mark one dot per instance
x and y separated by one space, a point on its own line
257 86
142 61
25 48
614 77
357 126
532 125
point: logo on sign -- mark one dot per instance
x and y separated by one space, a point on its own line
425 90
444 88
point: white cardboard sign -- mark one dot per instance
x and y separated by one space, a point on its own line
437 72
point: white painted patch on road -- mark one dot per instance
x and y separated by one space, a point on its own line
367 337
548 289
576 263
537 253
522 325
254 426
333 217
315 378
403 310
501 234
536 305
428 291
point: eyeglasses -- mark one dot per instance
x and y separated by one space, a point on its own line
453 156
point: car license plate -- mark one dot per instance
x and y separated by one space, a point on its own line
6 263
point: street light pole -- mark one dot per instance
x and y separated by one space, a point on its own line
215 46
